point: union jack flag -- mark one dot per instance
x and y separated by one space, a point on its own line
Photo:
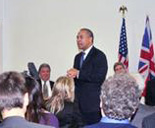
123 47
147 62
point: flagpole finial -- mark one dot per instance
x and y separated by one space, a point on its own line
123 9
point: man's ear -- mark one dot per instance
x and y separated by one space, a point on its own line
26 100
91 40
101 108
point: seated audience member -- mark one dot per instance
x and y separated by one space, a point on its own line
35 112
46 84
119 68
61 102
13 101
149 121
143 110
119 100
150 93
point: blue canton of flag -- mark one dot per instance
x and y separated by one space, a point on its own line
123 47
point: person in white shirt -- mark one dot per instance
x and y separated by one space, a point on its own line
46 84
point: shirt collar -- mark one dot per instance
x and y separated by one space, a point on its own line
42 82
87 51
109 120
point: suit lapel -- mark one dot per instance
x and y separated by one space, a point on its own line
88 57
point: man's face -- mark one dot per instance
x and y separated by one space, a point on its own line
119 69
84 41
44 73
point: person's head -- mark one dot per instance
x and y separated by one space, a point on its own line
44 71
85 38
13 93
119 96
35 100
63 90
119 68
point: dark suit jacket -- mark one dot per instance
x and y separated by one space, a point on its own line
143 111
66 116
110 125
149 121
19 122
150 93
92 74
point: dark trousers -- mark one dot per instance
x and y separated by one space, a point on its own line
91 117
85 118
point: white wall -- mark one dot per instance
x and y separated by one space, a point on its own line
1 34
45 31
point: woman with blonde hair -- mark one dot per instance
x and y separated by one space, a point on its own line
61 102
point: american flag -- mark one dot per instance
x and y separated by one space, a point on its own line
147 62
123 47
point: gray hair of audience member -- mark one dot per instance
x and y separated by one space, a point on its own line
12 90
119 96
44 65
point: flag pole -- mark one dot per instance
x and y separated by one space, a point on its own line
123 9
123 47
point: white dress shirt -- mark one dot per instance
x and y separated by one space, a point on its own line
49 87
87 51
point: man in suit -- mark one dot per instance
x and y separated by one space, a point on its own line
142 112
143 109
149 121
89 71
13 101
46 84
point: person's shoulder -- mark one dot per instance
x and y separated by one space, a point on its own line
36 125
11 123
78 54
98 51
109 125
97 125
39 81
149 120
150 117
146 108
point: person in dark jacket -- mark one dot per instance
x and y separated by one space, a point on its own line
14 99
150 93
61 102
89 71
46 84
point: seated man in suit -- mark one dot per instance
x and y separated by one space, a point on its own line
143 109
149 121
44 81
119 100
14 99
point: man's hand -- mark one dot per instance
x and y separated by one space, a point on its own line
72 73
